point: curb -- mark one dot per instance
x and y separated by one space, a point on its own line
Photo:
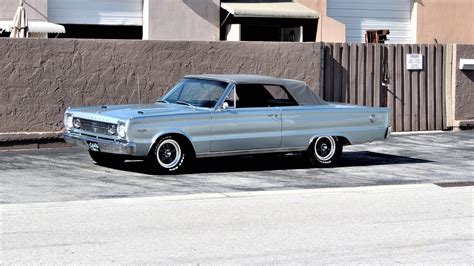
31 140
225 196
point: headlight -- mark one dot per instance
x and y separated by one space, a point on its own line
121 128
68 121
112 129
76 122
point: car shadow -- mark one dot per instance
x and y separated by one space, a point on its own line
275 162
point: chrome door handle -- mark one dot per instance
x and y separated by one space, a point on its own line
273 116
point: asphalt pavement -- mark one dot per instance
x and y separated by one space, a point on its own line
68 174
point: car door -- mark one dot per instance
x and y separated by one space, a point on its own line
248 124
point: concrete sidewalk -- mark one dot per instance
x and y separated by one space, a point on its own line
381 224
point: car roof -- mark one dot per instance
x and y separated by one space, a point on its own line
245 79
298 89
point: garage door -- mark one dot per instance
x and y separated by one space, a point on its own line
96 12
363 15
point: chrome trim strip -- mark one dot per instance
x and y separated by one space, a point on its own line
107 146
221 100
249 152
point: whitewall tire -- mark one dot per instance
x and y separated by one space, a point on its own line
168 156
325 151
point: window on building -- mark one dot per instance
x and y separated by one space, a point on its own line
100 32
277 21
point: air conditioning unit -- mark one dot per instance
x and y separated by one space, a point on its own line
294 34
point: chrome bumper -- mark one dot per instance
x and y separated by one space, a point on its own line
108 146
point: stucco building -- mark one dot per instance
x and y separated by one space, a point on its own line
409 21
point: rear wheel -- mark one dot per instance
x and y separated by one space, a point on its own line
325 151
168 155
106 159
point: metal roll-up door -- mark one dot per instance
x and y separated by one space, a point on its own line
96 12
362 15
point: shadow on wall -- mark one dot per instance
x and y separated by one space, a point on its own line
36 10
355 73
203 8
378 75
257 1
468 74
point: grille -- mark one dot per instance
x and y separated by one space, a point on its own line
95 126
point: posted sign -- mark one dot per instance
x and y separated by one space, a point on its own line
414 62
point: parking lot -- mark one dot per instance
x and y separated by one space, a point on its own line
67 174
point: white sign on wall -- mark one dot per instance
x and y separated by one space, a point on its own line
414 62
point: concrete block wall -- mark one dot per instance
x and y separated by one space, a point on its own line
464 99
41 78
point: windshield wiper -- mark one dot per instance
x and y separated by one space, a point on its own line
184 103
162 101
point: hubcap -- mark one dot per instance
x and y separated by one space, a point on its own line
168 153
324 148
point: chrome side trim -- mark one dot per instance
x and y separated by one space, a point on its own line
249 152
107 146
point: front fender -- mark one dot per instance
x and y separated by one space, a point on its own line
169 131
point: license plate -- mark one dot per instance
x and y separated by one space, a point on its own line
93 146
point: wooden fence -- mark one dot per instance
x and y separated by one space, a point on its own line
376 75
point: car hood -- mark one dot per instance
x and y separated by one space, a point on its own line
114 113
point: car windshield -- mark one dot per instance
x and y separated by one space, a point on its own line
196 92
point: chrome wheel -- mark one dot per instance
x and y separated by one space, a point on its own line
168 153
324 148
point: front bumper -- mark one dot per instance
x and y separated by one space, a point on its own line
108 146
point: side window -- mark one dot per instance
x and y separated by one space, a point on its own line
259 95
232 99
252 96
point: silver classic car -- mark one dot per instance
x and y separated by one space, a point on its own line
222 115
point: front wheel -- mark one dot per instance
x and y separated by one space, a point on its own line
324 151
168 156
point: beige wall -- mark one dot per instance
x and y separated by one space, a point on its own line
317 5
330 30
447 21
35 9
186 20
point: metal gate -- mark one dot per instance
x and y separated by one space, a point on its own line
376 75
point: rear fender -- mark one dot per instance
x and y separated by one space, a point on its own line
341 137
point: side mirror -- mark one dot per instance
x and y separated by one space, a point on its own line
225 106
